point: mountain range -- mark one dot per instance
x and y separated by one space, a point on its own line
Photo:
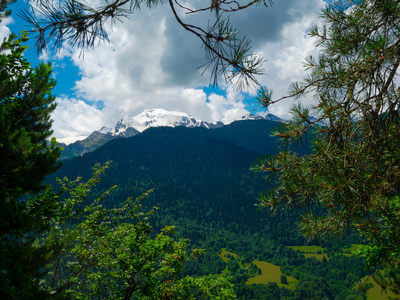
149 118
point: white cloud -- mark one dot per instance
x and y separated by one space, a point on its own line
4 30
226 108
287 55
151 61
75 118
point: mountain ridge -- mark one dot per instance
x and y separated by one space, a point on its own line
149 118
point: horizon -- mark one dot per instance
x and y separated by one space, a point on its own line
70 140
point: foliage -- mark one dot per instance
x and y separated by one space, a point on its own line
26 104
351 178
26 157
284 279
82 25
110 252
3 8
187 168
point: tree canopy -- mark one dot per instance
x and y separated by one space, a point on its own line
112 253
26 157
350 179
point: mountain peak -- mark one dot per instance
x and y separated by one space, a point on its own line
156 117
153 117
159 117
250 116
269 117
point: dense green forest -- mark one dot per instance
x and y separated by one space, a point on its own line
204 186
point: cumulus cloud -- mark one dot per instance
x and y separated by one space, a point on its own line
75 118
4 30
287 54
152 62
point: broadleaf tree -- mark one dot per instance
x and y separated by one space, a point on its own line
111 253
350 179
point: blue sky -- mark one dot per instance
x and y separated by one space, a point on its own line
151 62
67 72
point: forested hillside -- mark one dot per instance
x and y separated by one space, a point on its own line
203 184
202 171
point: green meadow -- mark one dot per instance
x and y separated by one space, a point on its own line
311 251
224 255
319 252
271 273
374 293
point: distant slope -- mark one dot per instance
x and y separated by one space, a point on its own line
254 135
92 142
198 175
251 134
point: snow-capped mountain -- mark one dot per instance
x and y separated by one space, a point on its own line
149 118
155 118
269 117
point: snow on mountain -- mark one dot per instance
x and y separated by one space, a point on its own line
149 118
269 117
251 117
105 130
157 118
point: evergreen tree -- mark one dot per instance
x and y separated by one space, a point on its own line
351 178
26 157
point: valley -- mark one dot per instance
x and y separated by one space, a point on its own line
204 186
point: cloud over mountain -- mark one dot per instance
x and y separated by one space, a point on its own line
151 61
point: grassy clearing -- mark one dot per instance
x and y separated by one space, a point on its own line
271 273
316 255
310 251
375 293
354 247
307 249
224 255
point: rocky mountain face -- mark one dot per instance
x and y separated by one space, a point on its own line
147 119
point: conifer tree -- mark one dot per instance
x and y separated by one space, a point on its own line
351 177
26 157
